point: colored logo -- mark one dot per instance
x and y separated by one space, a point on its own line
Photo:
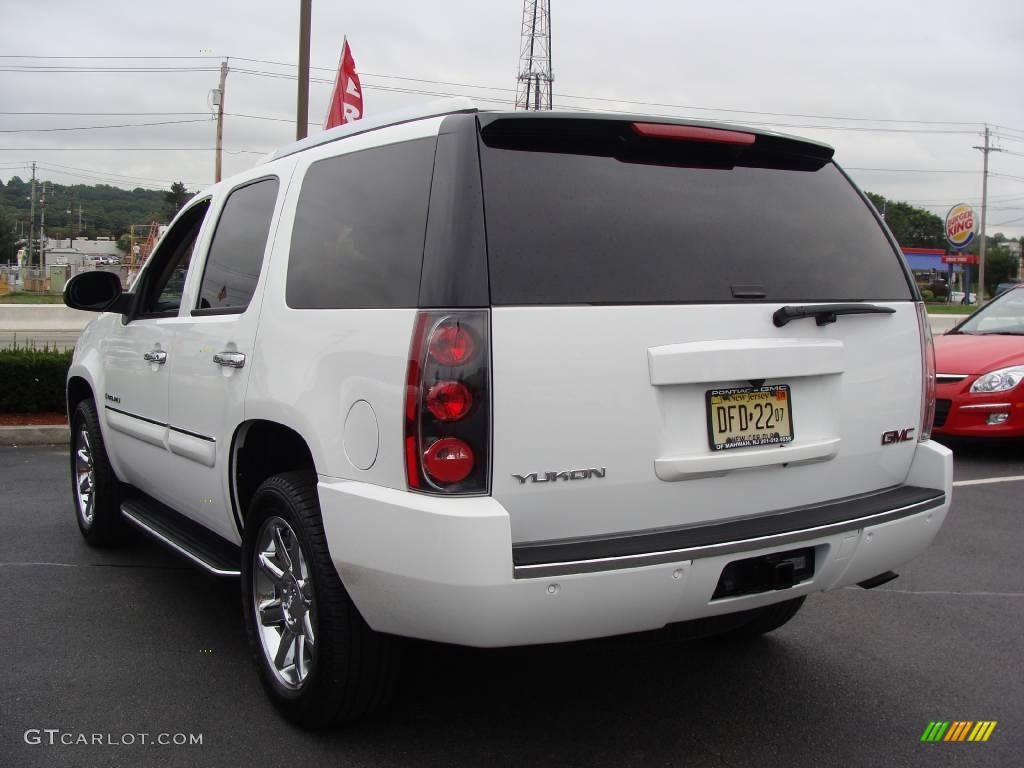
960 226
958 730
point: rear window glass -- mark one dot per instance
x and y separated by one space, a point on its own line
592 219
359 229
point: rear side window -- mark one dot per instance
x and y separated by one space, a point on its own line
236 253
586 212
359 229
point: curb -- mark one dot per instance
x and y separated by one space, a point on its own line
59 434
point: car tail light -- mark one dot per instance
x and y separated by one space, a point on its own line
451 345
448 460
447 403
927 373
449 400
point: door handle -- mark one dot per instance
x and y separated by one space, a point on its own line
230 359
157 356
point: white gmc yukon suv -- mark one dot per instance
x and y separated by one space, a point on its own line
512 378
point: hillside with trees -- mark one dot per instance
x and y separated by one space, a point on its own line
107 211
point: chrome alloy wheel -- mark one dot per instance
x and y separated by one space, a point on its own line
283 603
85 477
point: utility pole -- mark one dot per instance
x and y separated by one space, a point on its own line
32 220
984 204
302 106
220 121
42 236
71 218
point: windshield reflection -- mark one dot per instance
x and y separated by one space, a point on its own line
1003 315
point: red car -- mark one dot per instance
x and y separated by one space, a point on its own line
980 367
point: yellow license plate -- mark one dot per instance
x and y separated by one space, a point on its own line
743 417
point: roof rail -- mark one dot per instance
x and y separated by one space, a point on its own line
421 112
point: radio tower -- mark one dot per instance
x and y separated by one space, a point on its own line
534 89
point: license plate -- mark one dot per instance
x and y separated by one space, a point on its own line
744 417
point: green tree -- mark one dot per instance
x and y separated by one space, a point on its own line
1000 266
107 211
8 237
912 227
176 198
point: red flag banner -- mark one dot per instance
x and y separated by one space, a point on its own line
347 99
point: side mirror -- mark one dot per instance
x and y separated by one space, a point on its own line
95 292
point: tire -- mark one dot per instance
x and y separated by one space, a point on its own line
769 619
95 489
334 669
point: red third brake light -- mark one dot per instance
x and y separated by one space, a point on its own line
693 133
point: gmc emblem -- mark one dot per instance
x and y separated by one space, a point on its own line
897 436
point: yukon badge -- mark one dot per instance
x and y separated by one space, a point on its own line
568 474
897 436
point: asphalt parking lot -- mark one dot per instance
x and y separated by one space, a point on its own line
137 641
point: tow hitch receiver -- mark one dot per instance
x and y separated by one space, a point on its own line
780 570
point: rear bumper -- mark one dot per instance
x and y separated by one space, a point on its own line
442 569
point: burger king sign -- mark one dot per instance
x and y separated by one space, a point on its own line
960 226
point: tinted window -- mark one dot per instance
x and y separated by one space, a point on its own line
164 279
236 253
359 229
607 217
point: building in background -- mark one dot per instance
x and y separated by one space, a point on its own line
81 252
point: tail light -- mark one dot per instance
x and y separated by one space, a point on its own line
448 403
927 373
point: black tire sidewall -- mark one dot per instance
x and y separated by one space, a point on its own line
355 670
266 506
107 524
280 497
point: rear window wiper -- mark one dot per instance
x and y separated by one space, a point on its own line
826 313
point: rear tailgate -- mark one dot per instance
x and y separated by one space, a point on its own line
636 410
631 276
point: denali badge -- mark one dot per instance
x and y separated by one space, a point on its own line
897 436
569 474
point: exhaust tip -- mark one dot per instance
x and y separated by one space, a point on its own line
879 580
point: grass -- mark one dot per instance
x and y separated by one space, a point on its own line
937 308
32 298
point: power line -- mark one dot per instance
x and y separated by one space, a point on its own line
910 170
109 114
102 70
94 57
100 172
262 73
133 149
626 101
99 127
113 181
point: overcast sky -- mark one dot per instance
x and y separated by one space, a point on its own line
898 60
